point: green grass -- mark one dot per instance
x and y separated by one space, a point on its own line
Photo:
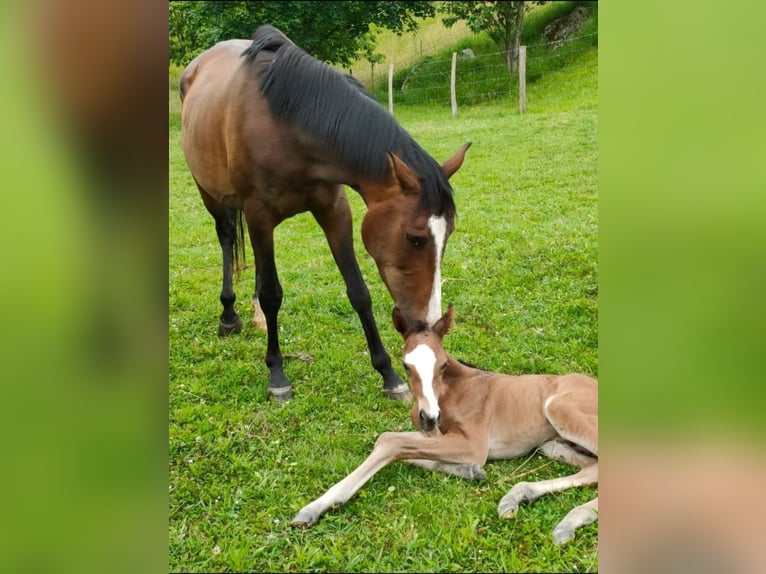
521 269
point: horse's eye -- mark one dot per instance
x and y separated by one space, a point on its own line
416 240
444 366
406 368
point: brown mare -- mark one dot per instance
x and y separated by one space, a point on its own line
467 416
269 132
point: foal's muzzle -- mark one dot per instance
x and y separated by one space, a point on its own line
428 423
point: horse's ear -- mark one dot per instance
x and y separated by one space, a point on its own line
399 172
443 325
453 164
399 322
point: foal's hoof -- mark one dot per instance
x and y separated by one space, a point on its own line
303 520
475 472
226 329
400 392
507 507
563 534
281 394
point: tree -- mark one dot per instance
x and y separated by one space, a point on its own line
501 20
335 32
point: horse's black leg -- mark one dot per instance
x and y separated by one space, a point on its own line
226 229
269 293
336 223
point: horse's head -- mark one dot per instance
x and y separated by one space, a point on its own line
425 360
406 236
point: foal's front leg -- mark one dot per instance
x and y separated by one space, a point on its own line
469 471
453 449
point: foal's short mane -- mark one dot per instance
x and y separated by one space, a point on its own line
336 109
422 327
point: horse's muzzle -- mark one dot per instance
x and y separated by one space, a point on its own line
428 423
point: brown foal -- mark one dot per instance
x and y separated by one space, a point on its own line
467 416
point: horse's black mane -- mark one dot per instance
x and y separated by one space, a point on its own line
335 108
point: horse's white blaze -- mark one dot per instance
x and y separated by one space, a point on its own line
423 359
438 227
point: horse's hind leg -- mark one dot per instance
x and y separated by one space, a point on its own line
335 221
226 229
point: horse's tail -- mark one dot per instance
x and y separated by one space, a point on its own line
239 262
266 38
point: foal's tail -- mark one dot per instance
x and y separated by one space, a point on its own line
240 262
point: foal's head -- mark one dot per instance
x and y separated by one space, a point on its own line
409 218
425 361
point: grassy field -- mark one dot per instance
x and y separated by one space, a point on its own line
521 269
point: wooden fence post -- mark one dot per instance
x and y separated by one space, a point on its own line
391 89
522 79
453 94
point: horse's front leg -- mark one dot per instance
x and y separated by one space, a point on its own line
268 291
453 449
335 220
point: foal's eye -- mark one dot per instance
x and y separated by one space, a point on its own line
406 368
416 240
444 366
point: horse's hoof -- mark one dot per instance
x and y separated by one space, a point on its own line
281 394
399 393
226 329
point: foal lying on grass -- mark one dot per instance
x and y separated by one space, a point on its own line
467 416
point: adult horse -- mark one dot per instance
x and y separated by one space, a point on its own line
269 132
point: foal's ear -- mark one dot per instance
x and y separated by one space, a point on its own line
443 325
453 164
399 172
399 322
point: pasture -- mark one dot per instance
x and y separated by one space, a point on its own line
521 270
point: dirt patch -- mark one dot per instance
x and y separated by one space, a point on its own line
561 29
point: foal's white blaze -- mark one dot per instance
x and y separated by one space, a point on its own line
423 359
438 227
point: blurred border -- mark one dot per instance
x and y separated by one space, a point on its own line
84 285
682 268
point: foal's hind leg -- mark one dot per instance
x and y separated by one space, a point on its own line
335 221
528 491
226 229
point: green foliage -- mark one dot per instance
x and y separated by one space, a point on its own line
493 17
483 79
336 32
